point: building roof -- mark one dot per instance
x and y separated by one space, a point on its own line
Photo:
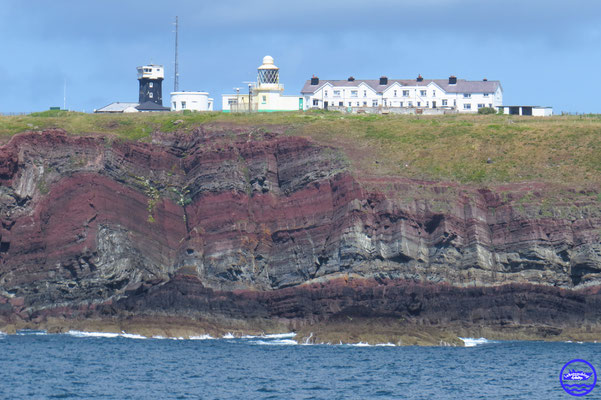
150 106
462 85
116 107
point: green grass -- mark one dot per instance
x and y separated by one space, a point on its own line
561 149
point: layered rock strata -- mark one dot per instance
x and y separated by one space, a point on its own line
241 227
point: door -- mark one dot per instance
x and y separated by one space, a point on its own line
433 104
325 105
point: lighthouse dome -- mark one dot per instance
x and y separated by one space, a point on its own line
268 63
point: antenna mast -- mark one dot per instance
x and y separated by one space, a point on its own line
176 79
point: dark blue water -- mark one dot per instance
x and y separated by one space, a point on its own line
64 366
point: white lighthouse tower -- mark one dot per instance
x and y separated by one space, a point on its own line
266 95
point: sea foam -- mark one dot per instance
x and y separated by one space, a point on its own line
83 334
276 342
202 337
473 342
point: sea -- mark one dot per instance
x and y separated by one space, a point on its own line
81 365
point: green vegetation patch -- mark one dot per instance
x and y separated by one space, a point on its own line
479 149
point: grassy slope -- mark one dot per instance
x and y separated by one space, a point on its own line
564 149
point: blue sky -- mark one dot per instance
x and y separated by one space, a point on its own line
543 52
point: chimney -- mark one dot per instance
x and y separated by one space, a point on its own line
452 80
314 80
351 78
383 80
420 78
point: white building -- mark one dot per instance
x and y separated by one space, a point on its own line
420 93
194 101
535 111
264 96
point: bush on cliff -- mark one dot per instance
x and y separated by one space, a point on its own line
487 110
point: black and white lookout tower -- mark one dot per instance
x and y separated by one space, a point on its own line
151 82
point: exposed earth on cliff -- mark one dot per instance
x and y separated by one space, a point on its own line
229 228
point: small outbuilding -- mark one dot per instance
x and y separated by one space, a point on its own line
194 101
535 111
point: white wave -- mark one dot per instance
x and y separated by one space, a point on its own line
132 336
385 345
276 342
473 342
201 337
229 335
24 332
360 344
280 335
160 337
93 334
108 335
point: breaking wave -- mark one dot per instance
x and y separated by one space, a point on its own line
473 342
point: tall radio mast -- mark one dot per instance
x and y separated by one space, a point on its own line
176 78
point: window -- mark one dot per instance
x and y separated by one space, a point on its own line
365 104
232 101
489 105
481 105
325 94
357 104
374 103
173 106
264 99
315 102
422 93
410 104
467 106
467 95
150 84
419 103
405 93
341 104
336 93
395 93
444 102
485 94
183 105
434 93
150 95
350 104
401 104
354 93
365 93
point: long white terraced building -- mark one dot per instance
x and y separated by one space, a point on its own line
452 93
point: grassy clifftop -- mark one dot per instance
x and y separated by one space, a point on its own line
481 149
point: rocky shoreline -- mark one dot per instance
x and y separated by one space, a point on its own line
243 230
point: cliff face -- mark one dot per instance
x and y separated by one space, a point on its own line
238 224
